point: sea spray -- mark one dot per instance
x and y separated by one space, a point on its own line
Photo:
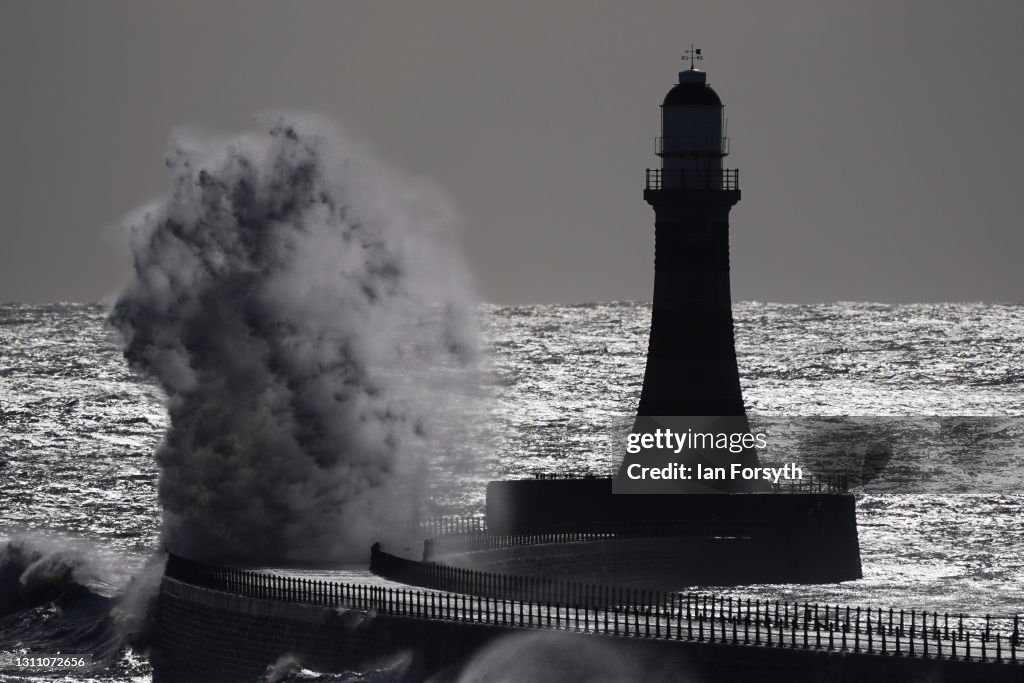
305 310
398 668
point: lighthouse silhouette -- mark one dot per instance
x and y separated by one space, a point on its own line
691 382
691 357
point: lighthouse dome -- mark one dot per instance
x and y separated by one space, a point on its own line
692 90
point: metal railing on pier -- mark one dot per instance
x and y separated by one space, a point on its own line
823 484
472 541
438 526
631 613
568 474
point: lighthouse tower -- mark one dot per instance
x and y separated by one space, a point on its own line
691 357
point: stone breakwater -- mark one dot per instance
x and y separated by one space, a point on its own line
222 624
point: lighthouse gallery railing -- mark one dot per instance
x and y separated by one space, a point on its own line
682 179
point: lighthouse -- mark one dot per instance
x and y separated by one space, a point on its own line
691 382
691 357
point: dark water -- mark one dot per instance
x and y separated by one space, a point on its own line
78 430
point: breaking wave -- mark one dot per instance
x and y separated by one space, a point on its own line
62 596
302 308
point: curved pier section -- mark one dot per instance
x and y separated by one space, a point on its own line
219 624
227 625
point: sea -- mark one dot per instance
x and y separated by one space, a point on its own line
79 512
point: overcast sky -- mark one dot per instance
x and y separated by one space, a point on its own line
879 144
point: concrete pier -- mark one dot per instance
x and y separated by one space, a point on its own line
224 625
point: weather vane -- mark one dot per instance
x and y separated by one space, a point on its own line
693 55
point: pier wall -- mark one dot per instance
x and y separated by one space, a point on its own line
218 637
801 537
215 637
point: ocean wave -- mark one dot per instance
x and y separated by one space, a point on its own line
288 669
61 596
